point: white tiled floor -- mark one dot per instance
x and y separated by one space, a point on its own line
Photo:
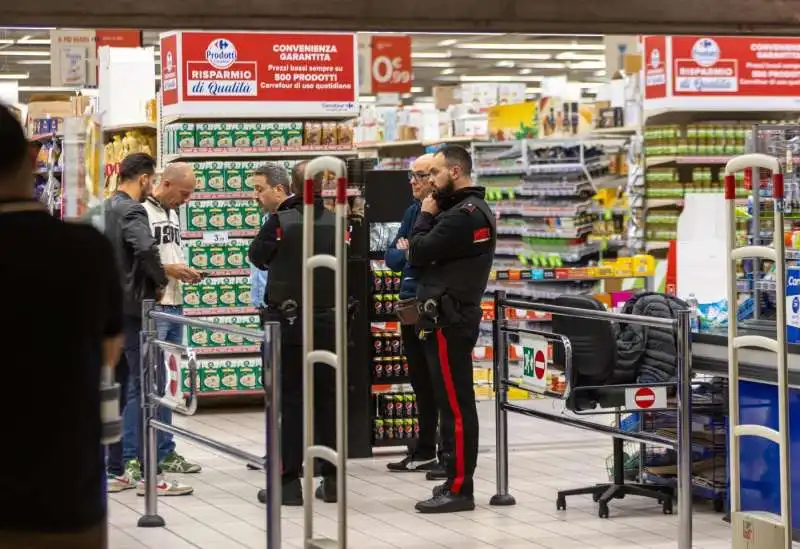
223 513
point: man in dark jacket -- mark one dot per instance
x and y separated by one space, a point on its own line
422 457
453 244
278 248
143 277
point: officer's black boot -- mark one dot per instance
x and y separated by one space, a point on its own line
291 493
446 502
326 491
438 472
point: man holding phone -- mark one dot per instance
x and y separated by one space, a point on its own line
175 189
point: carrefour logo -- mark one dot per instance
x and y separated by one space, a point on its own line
655 58
793 281
705 52
221 53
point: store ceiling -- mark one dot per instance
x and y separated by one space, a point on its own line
437 58
564 16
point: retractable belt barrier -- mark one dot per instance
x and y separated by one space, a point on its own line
534 380
153 353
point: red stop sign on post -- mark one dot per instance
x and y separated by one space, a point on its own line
645 398
539 364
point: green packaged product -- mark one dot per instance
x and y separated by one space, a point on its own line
243 294
277 134
259 135
227 293
234 218
216 257
236 256
294 133
209 297
199 337
209 379
252 217
248 172
216 216
198 217
215 177
200 174
185 135
229 378
233 176
223 135
248 378
198 257
191 295
242 135
205 135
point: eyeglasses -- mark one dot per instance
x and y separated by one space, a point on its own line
418 176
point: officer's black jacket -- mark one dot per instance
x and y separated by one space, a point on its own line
265 245
455 248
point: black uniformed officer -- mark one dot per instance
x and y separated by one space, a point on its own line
453 244
278 247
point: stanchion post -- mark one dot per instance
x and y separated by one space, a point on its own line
271 360
683 334
147 353
499 377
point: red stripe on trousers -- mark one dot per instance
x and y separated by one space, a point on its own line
458 420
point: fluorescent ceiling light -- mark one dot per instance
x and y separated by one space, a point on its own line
530 46
432 65
14 75
366 98
515 56
551 65
48 89
446 43
533 90
426 100
525 71
505 64
417 89
33 62
431 54
588 65
407 96
572 56
25 53
600 73
501 78
30 40
448 71
6 41
589 85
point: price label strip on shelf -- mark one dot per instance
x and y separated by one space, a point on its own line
534 362
220 237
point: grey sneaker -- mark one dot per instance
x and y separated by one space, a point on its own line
166 488
133 470
176 463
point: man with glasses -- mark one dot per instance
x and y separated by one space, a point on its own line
421 458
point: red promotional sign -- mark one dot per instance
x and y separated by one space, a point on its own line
391 64
169 69
269 74
119 38
655 67
645 398
735 66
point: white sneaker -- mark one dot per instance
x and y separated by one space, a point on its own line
166 488
116 484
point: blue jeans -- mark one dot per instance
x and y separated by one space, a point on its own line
132 415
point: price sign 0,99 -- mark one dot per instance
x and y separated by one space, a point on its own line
391 64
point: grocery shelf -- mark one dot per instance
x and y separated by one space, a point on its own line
119 128
233 116
564 274
244 233
227 272
259 152
239 350
223 394
222 195
621 130
651 161
408 143
215 311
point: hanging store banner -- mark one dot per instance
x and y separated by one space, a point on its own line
73 58
655 69
261 74
390 64
723 72
119 38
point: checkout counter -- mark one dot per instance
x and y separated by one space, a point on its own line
758 397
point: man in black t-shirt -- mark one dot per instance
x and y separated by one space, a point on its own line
63 311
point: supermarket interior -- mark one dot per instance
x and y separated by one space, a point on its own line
653 173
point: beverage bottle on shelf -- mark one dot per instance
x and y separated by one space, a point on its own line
694 319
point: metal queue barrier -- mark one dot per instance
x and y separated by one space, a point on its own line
683 445
336 360
152 357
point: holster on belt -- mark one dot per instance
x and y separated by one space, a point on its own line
407 311
438 312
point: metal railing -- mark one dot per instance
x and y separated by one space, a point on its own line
152 357
683 445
